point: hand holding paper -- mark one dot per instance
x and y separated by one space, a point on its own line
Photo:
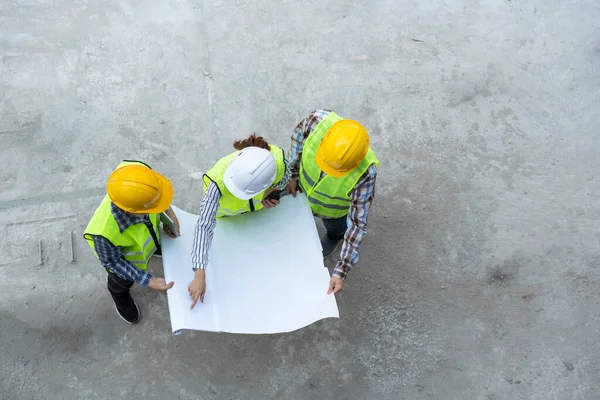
160 285
335 285
292 187
170 223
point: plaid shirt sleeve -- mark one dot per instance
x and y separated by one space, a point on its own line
361 199
286 177
303 129
112 259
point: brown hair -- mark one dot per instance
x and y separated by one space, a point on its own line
252 140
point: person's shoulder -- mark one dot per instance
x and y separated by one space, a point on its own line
372 170
313 119
318 113
213 190
100 240
368 177
138 162
322 112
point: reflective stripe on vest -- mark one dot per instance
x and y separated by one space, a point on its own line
229 205
136 242
328 196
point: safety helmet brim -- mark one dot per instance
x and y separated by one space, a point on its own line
329 170
240 194
235 191
166 196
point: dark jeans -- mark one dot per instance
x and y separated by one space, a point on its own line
117 285
119 291
336 228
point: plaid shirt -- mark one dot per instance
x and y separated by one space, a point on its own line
207 220
110 255
361 196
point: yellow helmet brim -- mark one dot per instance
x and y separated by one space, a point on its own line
325 167
166 196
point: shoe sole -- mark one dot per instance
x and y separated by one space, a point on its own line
129 322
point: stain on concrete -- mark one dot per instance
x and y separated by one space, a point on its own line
503 275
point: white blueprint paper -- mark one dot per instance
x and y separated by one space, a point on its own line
265 272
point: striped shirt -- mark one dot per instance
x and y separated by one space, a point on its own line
207 220
361 196
110 256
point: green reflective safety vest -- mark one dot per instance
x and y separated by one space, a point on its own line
328 196
136 242
229 205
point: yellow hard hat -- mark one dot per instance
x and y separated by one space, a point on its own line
138 189
343 147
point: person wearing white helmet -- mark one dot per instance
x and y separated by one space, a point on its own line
238 183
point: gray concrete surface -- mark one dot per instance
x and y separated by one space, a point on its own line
479 277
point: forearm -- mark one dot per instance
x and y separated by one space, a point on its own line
349 253
207 220
301 132
361 200
112 259
295 153
286 177
171 214
126 270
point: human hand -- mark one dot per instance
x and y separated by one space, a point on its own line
197 287
292 187
168 232
269 203
159 284
335 285
176 222
171 214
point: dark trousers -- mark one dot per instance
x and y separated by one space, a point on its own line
119 290
336 228
118 285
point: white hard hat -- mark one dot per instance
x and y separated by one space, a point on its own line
250 172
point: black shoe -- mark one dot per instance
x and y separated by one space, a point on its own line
329 245
126 308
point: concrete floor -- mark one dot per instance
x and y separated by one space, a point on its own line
479 277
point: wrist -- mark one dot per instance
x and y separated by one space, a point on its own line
199 273
144 280
340 272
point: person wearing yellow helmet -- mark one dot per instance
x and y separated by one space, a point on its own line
332 163
124 232
238 183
